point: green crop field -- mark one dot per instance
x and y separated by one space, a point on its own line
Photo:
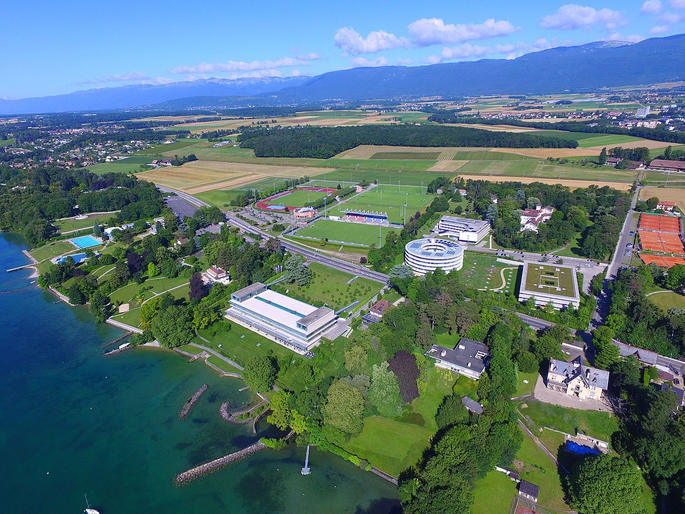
220 198
330 286
6 142
346 232
132 164
326 115
550 278
377 164
607 140
171 149
429 156
489 155
74 224
388 199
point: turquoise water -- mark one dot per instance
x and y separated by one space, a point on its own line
75 422
85 241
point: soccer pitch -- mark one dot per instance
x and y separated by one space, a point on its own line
346 232
388 199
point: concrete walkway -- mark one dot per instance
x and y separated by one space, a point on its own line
216 354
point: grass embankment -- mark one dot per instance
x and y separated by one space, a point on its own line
329 286
493 494
347 232
593 423
75 224
540 470
667 300
51 250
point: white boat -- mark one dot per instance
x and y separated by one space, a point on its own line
88 510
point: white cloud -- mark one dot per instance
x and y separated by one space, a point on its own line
402 61
352 43
632 38
671 18
574 16
433 59
678 4
361 61
434 31
134 76
244 66
651 7
465 51
659 29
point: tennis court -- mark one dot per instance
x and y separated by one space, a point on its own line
660 223
666 242
663 261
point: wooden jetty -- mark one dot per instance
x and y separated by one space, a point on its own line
193 399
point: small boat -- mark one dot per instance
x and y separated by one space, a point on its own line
88 509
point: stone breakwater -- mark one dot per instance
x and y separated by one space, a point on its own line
216 464
193 399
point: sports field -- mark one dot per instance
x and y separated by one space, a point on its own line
550 279
388 199
346 232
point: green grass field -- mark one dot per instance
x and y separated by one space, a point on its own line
137 293
411 178
347 232
550 278
523 388
668 300
607 140
593 423
298 198
540 470
329 286
131 164
171 149
489 155
6 142
75 224
481 271
388 199
220 198
51 250
493 494
378 164
428 156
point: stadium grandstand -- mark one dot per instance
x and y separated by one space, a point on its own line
374 218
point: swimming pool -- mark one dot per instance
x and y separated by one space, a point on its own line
78 258
85 241
580 449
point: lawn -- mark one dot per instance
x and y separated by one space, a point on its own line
299 198
388 199
493 494
390 445
523 388
147 289
593 423
481 271
669 300
434 384
346 232
540 470
330 286
75 224
240 344
51 250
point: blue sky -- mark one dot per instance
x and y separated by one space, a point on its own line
56 47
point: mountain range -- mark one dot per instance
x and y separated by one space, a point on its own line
581 68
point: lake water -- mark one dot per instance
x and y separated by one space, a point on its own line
75 422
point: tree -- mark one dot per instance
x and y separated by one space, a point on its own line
296 271
344 408
152 270
384 393
605 484
403 365
652 202
198 290
356 359
281 414
603 156
675 277
451 411
171 327
606 353
204 315
260 373
149 310
527 362
548 344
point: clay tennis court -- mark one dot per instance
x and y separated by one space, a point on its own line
661 242
659 260
660 223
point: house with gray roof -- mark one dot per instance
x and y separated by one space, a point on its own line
468 358
577 379
472 405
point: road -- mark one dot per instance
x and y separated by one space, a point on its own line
615 263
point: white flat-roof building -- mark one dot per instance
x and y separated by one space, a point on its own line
291 323
429 254
463 229
549 284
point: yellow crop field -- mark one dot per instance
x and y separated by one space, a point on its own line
200 176
676 195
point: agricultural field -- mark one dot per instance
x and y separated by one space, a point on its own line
388 199
220 198
345 232
428 156
672 194
6 142
200 176
66 225
331 287
133 164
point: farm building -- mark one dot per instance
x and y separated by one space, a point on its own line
549 284
467 358
667 165
291 323
665 206
464 229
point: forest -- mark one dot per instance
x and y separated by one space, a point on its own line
325 142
